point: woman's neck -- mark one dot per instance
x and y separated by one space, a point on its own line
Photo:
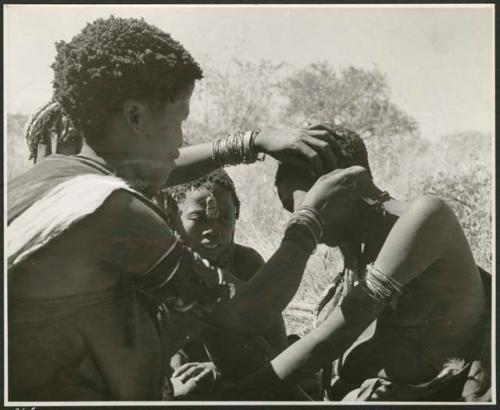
110 161
378 223
89 152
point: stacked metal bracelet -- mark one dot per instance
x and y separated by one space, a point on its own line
237 148
379 286
305 225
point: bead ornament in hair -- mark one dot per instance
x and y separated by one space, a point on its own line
171 197
211 209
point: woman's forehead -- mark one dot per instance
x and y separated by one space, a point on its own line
197 198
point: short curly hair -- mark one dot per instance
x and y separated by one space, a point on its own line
169 198
112 60
353 152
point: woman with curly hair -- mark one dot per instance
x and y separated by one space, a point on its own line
95 273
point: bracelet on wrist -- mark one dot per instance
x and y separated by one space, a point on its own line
237 148
306 223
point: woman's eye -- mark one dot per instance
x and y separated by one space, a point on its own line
196 217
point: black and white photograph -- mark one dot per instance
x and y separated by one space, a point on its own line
257 204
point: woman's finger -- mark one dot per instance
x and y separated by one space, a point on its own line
202 375
355 172
326 135
318 125
325 151
180 370
349 177
190 373
311 156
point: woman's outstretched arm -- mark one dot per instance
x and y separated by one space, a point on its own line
193 162
306 148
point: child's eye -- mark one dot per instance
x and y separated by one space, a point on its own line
196 217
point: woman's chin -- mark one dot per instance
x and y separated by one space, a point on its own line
213 255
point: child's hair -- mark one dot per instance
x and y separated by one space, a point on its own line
169 198
353 152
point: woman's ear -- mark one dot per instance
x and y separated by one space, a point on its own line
133 114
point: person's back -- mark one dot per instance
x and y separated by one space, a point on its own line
73 310
437 318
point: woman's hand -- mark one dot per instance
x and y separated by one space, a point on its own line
309 149
333 194
194 379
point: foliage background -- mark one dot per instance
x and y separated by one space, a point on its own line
248 94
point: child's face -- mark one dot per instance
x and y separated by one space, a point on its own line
209 235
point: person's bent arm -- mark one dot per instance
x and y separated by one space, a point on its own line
420 238
275 335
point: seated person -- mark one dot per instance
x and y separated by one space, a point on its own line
94 271
204 214
406 319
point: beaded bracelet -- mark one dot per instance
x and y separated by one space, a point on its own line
238 148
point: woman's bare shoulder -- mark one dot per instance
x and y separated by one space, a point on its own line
422 205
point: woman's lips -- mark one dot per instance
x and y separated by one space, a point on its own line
210 245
